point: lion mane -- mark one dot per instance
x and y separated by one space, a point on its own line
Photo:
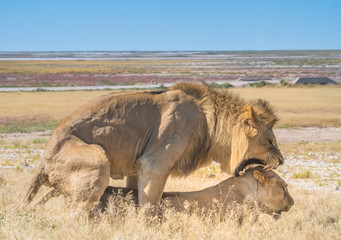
222 109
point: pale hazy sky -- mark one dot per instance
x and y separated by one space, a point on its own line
117 25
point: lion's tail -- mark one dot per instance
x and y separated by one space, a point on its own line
38 180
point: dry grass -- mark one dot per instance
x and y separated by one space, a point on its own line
315 215
310 106
53 105
94 66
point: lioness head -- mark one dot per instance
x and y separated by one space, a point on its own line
252 138
272 193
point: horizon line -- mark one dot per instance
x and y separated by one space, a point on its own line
264 50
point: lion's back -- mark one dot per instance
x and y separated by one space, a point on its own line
105 119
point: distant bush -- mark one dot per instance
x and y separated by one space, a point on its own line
108 83
223 85
261 83
161 86
284 83
40 90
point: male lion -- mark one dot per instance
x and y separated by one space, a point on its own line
265 190
148 136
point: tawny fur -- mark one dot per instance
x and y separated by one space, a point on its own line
265 190
147 136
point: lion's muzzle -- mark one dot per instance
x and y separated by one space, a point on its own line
280 160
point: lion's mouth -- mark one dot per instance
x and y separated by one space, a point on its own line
276 216
244 165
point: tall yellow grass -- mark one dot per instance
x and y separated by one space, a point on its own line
315 215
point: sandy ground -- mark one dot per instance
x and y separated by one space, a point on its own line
323 168
309 134
23 137
283 135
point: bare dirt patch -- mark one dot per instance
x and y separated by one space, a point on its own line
7 138
309 134
283 135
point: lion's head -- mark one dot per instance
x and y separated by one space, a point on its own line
272 194
252 137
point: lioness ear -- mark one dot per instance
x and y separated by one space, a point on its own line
260 177
249 121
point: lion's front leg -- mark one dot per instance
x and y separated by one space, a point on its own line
132 181
150 188
165 149
154 167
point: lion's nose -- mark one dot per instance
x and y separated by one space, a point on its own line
291 201
287 208
281 160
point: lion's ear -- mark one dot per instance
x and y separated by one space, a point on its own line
249 121
260 177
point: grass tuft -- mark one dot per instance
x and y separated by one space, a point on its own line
222 85
28 127
304 174
39 141
259 84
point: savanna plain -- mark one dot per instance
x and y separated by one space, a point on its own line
312 169
308 134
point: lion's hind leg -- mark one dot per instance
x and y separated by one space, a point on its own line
81 171
53 192
38 180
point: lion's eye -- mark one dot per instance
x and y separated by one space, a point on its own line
247 123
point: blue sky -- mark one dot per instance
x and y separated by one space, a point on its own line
152 25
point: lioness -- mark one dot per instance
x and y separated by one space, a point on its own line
147 136
265 189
